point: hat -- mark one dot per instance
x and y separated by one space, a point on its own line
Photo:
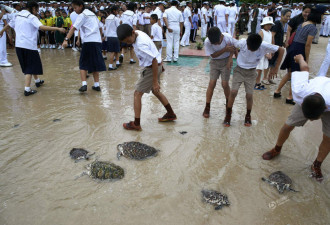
301 3
267 20
320 9
205 3
183 3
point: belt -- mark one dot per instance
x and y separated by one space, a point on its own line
151 65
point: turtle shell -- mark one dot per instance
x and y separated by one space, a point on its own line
280 177
136 150
78 153
106 170
215 198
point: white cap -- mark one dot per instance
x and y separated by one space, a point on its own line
267 20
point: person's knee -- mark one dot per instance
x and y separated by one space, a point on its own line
287 128
249 97
233 93
225 84
138 94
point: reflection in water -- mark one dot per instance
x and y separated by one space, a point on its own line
37 183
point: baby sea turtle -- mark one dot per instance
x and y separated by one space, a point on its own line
104 171
136 150
280 180
215 198
80 153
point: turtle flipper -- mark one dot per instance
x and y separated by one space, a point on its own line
218 207
82 174
118 155
291 189
266 180
89 155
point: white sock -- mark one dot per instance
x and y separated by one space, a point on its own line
37 80
132 60
122 55
27 89
110 65
84 83
96 84
117 62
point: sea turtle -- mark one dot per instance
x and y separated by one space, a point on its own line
80 153
103 170
280 180
135 150
215 198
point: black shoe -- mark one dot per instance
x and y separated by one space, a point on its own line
277 95
114 68
132 62
31 92
121 59
83 88
118 65
105 58
290 101
96 88
40 83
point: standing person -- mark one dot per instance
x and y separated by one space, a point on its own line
91 59
326 62
73 17
50 34
67 23
59 37
187 25
193 32
140 19
42 33
174 22
221 16
150 59
147 24
232 16
104 39
255 18
243 18
111 23
3 41
263 65
251 51
301 44
220 48
313 103
26 26
272 10
205 19
156 32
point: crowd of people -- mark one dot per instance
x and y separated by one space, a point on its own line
140 28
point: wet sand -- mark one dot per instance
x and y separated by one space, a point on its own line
37 184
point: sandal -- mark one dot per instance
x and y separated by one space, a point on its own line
277 95
131 126
317 173
167 117
247 121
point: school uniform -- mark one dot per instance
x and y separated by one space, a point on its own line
156 33
302 87
26 27
91 58
50 34
73 17
111 24
187 26
3 44
104 43
247 61
146 51
130 18
140 26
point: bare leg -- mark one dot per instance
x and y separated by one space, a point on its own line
290 93
266 74
131 52
283 82
28 79
112 54
83 75
226 88
249 101
137 104
259 76
210 89
96 76
161 98
284 134
232 96
35 77
324 149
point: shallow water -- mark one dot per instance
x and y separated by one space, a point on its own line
37 184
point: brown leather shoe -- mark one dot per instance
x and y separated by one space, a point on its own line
317 173
270 154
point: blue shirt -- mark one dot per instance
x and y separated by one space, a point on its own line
195 21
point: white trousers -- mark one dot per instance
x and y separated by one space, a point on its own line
326 62
326 28
186 36
231 28
3 49
204 28
222 25
173 43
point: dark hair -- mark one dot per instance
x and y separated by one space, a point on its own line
313 106
196 11
315 17
114 8
308 6
31 5
154 17
214 35
124 31
78 3
253 42
131 6
174 3
285 11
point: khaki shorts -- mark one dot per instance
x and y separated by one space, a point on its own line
158 44
297 119
246 76
217 67
144 84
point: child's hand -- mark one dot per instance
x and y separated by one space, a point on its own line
156 87
62 30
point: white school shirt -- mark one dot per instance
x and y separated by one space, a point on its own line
2 23
88 24
129 17
145 49
174 17
26 27
210 48
302 87
146 21
187 14
247 59
111 24
73 17
159 13
156 32
140 18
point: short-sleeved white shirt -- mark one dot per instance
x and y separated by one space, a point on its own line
88 24
26 27
232 14
156 32
174 17
111 24
159 13
220 12
204 12
187 14
2 23
146 21
129 17
145 49
210 48
247 59
302 87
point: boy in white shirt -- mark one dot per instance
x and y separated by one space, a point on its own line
220 48
251 51
146 17
156 32
313 103
149 58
